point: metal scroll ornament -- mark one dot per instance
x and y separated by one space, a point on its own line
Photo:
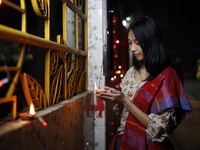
40 7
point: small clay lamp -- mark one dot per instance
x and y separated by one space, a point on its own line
28 115
100 91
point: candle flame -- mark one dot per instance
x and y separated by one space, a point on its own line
95 85
32 109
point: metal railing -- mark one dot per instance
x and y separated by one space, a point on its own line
61 80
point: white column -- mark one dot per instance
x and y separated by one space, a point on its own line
95 72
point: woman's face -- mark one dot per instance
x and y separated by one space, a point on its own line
134 46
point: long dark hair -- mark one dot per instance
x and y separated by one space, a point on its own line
148 34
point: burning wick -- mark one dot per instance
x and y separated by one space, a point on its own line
42 121
95 85
32 110
98 90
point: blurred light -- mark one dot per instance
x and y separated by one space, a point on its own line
111 11
117 86
118 72
115 77
0 2
121 75
42 121
128 18
114 20
114 46
116 56
111 133
120 67
124 23
3 82
112 123
112 79
115 67
113 31
117 41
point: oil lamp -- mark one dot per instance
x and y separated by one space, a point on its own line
98 90
28 115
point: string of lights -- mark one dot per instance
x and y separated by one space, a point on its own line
118 75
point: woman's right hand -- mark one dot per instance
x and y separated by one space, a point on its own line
113 95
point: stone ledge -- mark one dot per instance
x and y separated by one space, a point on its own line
6 127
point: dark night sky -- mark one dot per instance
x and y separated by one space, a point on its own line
179 21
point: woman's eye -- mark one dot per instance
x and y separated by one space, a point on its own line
136 42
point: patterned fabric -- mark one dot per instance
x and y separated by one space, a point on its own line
163 93
129 88
159 126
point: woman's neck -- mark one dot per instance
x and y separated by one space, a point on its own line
142 74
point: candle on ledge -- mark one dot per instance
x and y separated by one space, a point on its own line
30 115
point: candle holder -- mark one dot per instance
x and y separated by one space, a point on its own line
100 91
27 116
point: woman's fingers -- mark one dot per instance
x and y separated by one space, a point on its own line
111 95
112 90
105 98
105 95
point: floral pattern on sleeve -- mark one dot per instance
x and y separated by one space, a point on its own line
159 127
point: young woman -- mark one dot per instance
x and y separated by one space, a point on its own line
153 97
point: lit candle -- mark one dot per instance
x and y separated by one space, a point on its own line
98 90
32 110
30 115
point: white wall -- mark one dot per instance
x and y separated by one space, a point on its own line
95 73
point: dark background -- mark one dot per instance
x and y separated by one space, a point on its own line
179 21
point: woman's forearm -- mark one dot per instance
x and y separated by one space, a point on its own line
137 113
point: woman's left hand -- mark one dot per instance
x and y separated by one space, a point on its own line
112 95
